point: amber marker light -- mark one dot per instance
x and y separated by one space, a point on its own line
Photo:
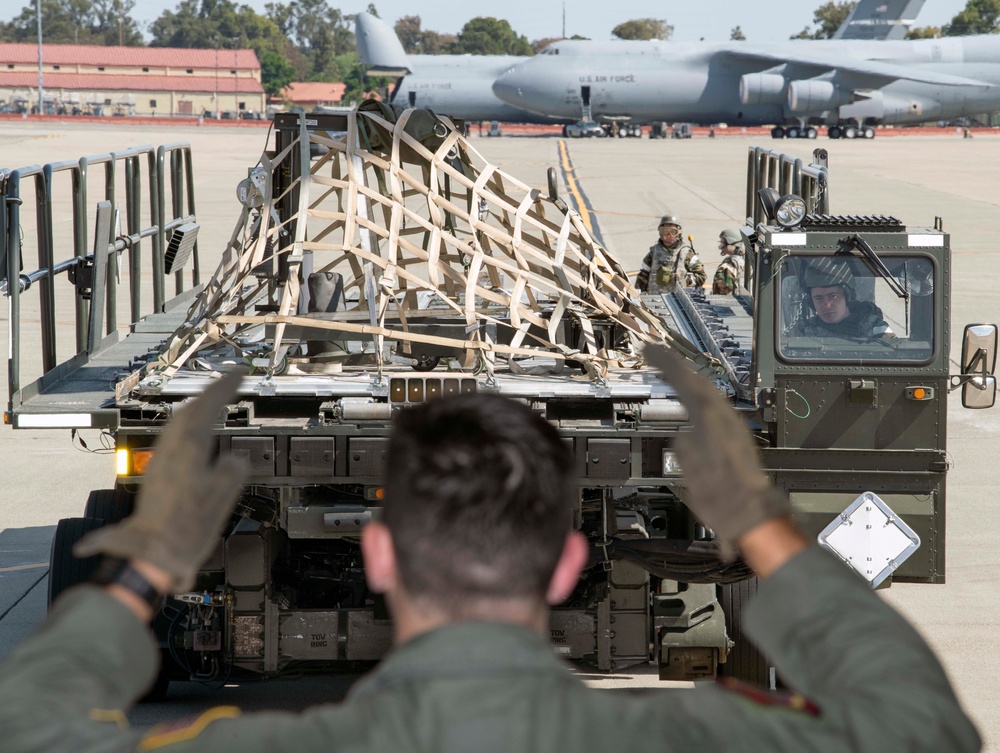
380 493
140 460
121 462
919 393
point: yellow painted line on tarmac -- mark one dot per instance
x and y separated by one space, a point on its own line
32 566
573 186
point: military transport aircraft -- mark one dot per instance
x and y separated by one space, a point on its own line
460 85
849 86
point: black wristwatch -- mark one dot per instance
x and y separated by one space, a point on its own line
113 570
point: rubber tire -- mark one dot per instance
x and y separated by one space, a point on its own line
109 505
794 132
65 569
835 132
778 133
811 133
868 132
745 661
426 363
850 132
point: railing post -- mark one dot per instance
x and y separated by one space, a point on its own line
189 176
133 172
46 291
111 270
12 208
80 246
160 243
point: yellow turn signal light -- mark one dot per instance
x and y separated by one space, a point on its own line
132 462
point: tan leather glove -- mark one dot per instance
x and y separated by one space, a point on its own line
727 489
186 496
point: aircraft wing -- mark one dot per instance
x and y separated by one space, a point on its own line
871 72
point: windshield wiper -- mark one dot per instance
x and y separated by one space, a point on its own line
875 264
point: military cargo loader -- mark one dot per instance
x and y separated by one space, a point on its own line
400 266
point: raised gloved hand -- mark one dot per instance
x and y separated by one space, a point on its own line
186 498
726 487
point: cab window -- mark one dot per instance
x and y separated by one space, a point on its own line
839 308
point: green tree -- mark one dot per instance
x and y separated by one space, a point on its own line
737 35
102 22
490 36
540 44
418 41
225 26
828 17
978 17
275 72
924 32
644 28
319 32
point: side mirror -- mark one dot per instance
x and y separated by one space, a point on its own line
979 361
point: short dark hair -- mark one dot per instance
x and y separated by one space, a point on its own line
479 499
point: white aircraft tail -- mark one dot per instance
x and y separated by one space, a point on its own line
379 49
880 19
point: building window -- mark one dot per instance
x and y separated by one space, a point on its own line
55 67
243 105
145 70
233 72
190 70
10 66
152 103
100 67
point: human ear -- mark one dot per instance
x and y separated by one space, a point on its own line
575 553
379 556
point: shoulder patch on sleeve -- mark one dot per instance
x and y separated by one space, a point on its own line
182 730
780 699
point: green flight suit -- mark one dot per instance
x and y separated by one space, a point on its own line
488 687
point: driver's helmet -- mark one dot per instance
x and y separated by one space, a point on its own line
827 273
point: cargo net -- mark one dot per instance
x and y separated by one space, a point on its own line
416 241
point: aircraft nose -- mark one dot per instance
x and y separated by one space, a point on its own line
508 88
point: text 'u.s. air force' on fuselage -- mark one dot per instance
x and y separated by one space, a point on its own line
806 82
462 85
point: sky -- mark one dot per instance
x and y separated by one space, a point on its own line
761 20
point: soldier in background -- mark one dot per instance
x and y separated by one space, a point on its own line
729 276
670 261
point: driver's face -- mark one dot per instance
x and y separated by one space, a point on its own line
830 303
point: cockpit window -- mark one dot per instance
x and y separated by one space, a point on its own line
838 308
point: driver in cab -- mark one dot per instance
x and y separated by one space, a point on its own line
832 307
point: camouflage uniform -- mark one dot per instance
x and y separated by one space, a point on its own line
729 276
873 686
662 267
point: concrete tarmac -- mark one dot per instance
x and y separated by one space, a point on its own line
629 183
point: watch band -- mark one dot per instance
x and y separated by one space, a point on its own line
113 570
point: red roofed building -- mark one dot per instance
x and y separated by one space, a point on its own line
132 80
310 94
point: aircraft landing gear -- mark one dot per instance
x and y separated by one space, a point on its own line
794 132
851 131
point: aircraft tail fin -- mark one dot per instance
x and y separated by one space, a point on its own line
880 19
379 49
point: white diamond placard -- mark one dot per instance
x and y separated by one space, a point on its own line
870 537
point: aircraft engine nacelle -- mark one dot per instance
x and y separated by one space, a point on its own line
762 89
814 96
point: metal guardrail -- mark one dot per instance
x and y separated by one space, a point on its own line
787 174
171 161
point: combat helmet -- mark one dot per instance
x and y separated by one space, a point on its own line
731 236
670 219
828 273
